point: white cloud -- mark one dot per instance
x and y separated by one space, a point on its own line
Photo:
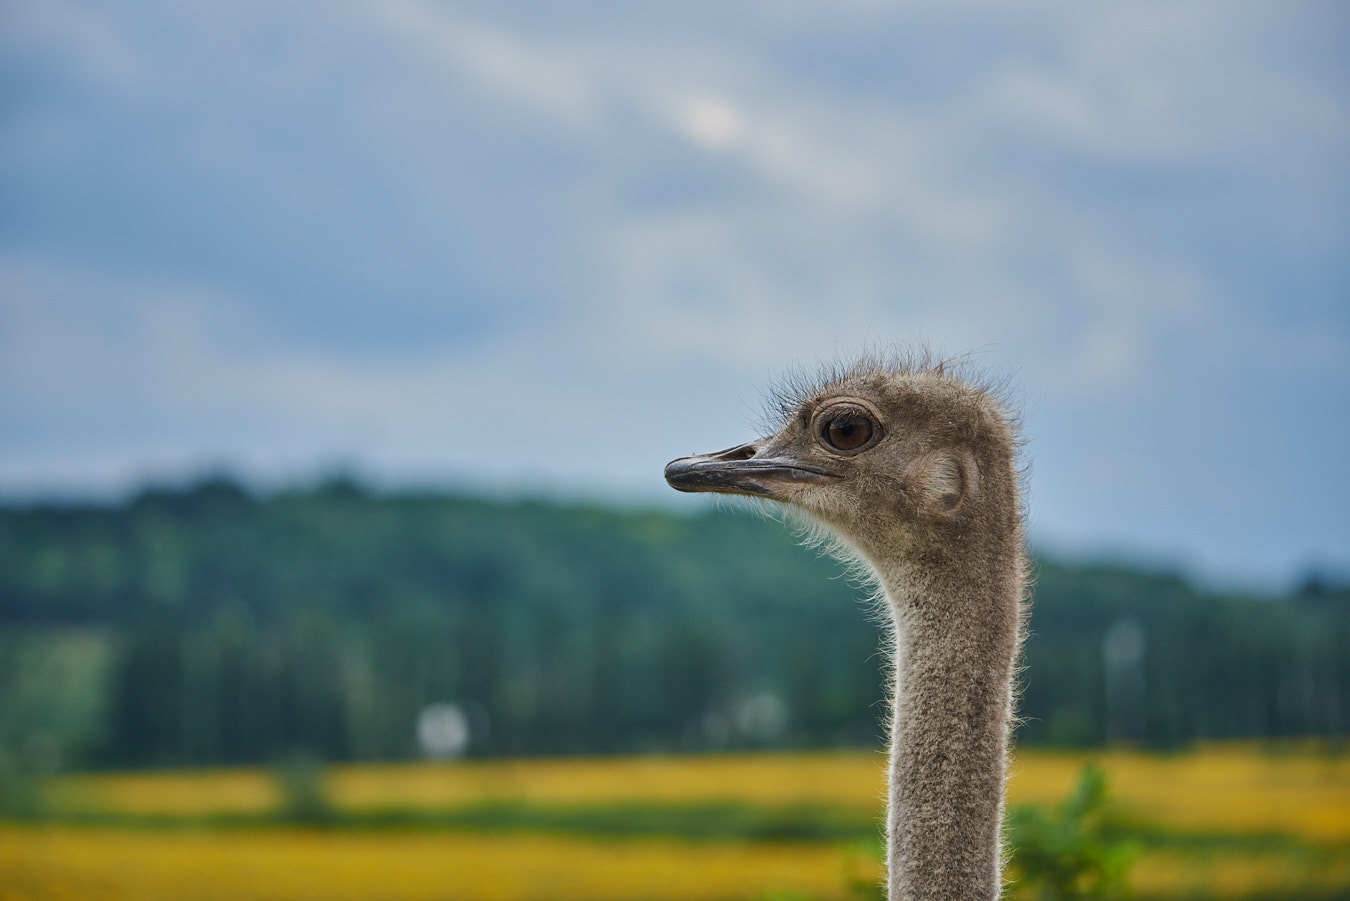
711 122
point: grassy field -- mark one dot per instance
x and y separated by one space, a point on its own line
1220 821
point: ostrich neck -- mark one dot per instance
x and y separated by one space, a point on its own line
956 637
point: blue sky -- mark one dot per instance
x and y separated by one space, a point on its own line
532 247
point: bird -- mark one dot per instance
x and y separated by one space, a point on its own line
910 467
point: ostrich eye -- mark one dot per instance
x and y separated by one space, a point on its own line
847 431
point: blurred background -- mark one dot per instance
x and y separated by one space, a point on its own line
342 346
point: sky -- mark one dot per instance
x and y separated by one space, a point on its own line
532 247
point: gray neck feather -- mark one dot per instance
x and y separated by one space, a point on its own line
956 638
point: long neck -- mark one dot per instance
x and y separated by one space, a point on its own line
956 637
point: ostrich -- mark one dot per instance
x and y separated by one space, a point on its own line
910 470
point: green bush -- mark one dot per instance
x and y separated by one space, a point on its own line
1066 852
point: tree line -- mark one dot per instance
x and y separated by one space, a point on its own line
204 624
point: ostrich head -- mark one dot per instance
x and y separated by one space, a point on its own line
894 458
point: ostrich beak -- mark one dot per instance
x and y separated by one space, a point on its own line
739 470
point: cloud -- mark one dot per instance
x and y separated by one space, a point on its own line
711 122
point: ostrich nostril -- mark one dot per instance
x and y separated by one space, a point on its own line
744 452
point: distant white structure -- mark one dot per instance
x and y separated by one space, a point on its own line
762 717
442 731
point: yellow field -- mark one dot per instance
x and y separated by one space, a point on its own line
1235 875
73 863
1224 788
89 864
70 863
1214 794
1215 788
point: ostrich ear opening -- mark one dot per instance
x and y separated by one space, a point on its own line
948 479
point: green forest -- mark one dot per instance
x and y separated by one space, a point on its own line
208 624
